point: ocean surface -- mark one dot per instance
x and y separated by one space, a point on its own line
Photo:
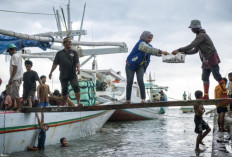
171 135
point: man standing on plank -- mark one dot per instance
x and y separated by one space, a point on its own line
16 74
209 57
69 64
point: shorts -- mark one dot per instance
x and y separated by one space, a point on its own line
43 104
200 124
74 83
29 95
221 109
14 88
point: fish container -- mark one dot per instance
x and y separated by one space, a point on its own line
178 58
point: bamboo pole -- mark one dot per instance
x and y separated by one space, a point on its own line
134 105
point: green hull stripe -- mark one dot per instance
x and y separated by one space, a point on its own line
51 123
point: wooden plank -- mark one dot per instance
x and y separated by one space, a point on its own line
125 106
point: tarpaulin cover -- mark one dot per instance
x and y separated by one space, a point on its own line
20 43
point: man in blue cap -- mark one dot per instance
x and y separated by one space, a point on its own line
16 74
208 54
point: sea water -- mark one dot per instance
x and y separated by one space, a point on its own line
171 135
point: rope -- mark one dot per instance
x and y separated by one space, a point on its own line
174 99
4 131
20 12
175 116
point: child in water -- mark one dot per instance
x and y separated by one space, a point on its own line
42 134
199 122
64 142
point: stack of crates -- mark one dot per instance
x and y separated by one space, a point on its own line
88 93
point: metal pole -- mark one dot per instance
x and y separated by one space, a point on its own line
68 12
65 22
56 18
58 22
82 20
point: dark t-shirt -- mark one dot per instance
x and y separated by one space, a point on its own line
29 81
67 61
41 138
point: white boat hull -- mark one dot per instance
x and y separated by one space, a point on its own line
21 131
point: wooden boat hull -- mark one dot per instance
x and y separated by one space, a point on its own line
135 114
18 130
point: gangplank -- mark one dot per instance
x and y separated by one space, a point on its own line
133 105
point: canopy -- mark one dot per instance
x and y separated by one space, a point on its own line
20 43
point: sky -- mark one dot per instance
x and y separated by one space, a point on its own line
124 21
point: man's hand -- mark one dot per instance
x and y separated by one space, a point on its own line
165 53
78 71
50 76
175 52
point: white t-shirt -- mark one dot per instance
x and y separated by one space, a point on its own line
16 60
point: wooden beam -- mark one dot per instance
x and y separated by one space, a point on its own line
126 106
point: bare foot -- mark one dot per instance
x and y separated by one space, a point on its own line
197 150
127 102
80 105
223 130
143 101
17 111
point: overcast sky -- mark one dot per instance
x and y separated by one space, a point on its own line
124 21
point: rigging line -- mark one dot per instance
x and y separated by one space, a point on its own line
52 77
20 12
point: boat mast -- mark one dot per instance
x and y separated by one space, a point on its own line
82 20
68 13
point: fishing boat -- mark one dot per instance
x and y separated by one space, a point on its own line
18 130
115 90
187 109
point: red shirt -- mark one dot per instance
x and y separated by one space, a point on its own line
212 61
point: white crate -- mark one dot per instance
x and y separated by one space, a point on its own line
178 58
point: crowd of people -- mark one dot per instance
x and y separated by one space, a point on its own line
137 62
69 65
